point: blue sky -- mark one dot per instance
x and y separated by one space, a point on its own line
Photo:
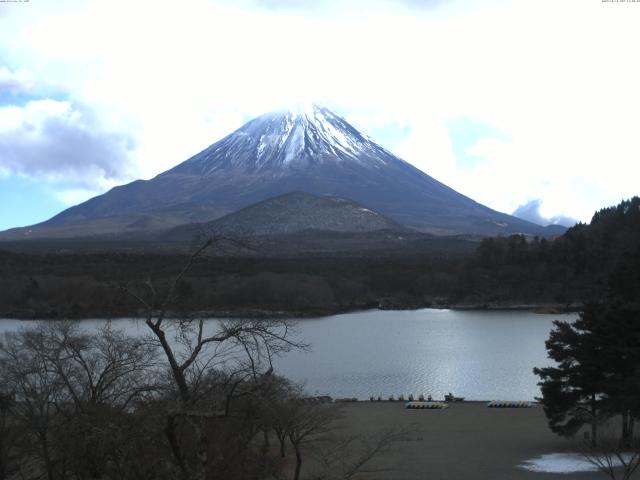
25 201
527 106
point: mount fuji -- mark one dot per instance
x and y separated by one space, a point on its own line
308 150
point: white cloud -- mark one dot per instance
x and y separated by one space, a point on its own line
531 211
63 142
557 77
15 81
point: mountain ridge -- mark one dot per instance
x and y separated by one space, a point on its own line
314 151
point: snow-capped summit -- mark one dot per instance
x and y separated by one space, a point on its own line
309 150
291 139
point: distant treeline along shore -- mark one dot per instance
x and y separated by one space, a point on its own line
513 271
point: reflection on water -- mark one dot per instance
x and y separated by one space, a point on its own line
481 355
476 354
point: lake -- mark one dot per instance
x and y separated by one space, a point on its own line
480 355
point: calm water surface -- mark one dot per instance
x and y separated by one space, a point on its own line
481 355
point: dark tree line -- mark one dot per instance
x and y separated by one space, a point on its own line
78 286
566 271
571 269
597 376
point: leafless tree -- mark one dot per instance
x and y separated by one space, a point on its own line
343 457
188 400
193 348
107 368
314 431
308 424
71 391
37 390
8 434
614 457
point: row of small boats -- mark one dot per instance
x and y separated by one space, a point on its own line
425 405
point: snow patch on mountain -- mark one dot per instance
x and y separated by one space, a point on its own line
295 138
295 145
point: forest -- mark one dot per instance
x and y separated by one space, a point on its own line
501 272
594 384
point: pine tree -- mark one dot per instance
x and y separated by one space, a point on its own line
598 369
620 335
573 392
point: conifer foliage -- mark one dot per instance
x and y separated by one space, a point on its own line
597 371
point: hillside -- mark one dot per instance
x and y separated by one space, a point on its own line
313 151
292 213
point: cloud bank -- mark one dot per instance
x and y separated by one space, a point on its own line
62 141
15 82
530 211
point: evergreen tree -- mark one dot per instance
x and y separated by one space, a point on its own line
620 335
623 320
598 369
573 392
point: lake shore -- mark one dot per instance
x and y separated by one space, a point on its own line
465 441
255 313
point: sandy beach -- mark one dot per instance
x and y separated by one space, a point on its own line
466 441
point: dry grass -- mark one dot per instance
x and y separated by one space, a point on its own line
467 441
